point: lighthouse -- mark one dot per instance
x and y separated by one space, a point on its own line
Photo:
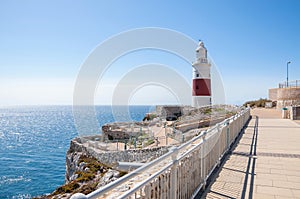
201 90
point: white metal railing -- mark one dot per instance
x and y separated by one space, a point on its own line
184 170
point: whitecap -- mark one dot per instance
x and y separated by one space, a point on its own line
5 159
6 180
22 196
14 133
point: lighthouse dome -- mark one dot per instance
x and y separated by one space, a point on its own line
201 43
200 47
201 51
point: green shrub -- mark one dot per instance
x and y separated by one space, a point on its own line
257 103
84 183
84 177
149 117
207 111
68 188
149 142
87 188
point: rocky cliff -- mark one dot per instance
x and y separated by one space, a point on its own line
89 166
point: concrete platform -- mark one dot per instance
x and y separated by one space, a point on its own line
264 163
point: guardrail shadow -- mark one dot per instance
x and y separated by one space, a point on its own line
251 156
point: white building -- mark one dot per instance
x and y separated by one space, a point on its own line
201 78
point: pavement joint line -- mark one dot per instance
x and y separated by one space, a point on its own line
285 155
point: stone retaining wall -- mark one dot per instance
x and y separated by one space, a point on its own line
112 157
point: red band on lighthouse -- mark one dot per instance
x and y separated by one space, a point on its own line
201 87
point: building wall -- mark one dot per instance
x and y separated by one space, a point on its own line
273 94
288 93
285 96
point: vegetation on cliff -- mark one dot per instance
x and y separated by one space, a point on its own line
91 175
257 103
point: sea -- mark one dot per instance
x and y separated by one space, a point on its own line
33 145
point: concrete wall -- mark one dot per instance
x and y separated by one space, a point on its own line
288 94
285 96
186 126
273 94
167 111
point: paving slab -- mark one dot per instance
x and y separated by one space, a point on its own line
263 163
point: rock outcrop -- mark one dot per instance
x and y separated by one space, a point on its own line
86 174
89 146
89 166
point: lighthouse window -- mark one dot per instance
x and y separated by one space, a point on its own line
197 75
197 87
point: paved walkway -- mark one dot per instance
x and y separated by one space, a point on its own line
265 163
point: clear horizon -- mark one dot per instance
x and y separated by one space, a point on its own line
44 44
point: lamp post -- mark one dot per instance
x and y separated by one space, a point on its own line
287 73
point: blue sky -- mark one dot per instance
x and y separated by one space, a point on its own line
44 43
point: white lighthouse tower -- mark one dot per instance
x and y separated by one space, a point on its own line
201 78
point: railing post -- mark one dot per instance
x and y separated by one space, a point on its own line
166 135
203 166
227 134
219 143
173 188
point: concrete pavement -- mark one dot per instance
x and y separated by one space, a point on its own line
264 163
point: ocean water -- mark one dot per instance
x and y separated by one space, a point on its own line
33 145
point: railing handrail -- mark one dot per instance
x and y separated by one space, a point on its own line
290 84
132 174
173 151
127 177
